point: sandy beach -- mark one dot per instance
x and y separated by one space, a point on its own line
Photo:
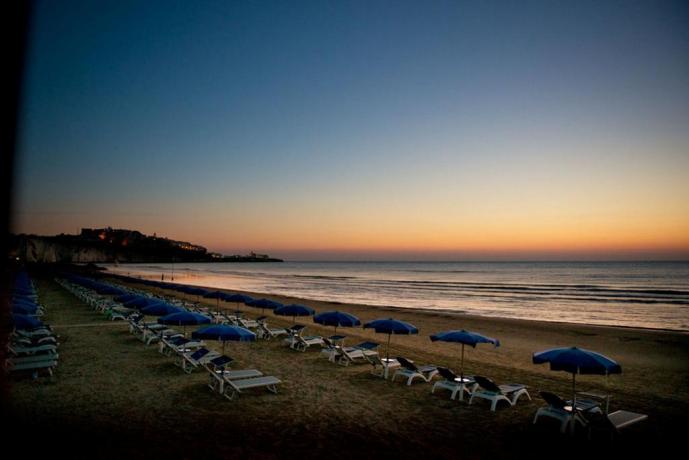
113 392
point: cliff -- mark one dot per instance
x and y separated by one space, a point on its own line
108 246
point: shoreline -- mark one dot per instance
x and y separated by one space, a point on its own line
640 351
440 311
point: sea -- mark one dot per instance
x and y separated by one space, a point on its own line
634 294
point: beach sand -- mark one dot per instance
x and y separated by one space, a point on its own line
113 392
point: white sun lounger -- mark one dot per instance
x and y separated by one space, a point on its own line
193 359
267 333
302 343
454 383
411 371
613 422
496 393
33 367
235 387
16 360
18 349
354 355
386 364
218 378
561 410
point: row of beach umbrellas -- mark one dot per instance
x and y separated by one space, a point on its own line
569 359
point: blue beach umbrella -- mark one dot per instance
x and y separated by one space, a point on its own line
160 309
24 309
224 333
577 361
215 295
25 321
24 303
390 326
191 290
141 302
337 319
125 297
294 310
465 338
238 298
264 303
184 319
109 290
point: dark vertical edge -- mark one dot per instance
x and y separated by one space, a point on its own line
15 17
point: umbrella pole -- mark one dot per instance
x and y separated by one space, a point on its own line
387 349
574 391
461 368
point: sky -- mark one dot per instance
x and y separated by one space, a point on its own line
362 130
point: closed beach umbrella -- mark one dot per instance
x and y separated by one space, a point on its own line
391 326
337 319
465 338
184 318
294 310
577 361
264 303
224 333
25 321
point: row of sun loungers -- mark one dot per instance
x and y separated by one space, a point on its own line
32 351
191 355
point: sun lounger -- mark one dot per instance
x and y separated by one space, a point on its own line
220 377
235 387
302 343
267 333
494 393
179 344
38 332
612 423
356 354
382 366
33 367
454 383
561 410
247 323
18 349
193 359
15 360
292 333
33 342
411 371
154 335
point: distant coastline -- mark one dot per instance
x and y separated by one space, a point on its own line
108 245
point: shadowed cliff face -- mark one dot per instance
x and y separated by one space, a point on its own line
52 250
43 251
77 249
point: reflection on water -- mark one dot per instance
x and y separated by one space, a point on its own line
644 294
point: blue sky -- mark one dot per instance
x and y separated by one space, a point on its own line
312 127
